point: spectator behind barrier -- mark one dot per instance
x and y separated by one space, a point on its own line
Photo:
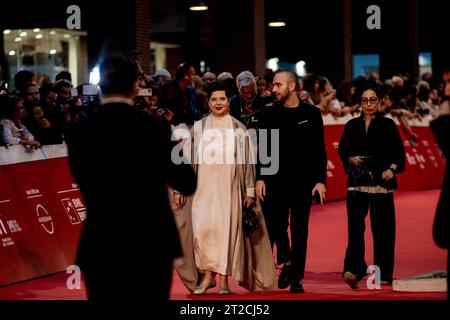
21 78
179 96
63 75
208 78
14 132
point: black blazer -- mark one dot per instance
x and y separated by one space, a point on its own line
120 159
441 130
302 154
382 144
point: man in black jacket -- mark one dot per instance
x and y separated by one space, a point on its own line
302 164
120 159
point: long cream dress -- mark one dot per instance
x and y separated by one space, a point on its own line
217 201
210 223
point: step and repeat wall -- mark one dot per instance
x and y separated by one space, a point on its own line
41 213
42 210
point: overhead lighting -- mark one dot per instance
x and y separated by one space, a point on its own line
18 39
52 32
66 36
198 6
12 53
52 51
6 31
39 36
94 75
273 64
277 24
300 68
36 30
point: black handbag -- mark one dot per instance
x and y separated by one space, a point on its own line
249 220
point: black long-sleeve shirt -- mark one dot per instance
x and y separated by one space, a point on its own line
382 145
302 156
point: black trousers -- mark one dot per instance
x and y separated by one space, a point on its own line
276 208
137 283
382 219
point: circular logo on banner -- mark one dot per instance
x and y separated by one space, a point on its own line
45 219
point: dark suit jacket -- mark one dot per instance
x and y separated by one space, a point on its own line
120 159
302 155
441 130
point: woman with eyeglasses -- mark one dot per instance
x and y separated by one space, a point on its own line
372 153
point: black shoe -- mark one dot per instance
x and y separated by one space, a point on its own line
283 280
351 280
297 287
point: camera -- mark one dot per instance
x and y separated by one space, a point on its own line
145 92
84 98
141 101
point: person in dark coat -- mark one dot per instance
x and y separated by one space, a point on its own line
120 159
441 130
372 153
299 164
178 96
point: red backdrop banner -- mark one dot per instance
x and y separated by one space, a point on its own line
41 214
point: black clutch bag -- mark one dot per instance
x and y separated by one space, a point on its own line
249 220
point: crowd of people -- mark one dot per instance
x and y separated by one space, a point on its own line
34 115
52 108
205 201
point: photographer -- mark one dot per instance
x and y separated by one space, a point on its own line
142 100
147 101
63 91
372 153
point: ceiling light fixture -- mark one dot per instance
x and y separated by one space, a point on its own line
277 23
198 6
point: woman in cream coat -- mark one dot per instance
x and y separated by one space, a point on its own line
210 221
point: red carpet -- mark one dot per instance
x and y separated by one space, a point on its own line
416 253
